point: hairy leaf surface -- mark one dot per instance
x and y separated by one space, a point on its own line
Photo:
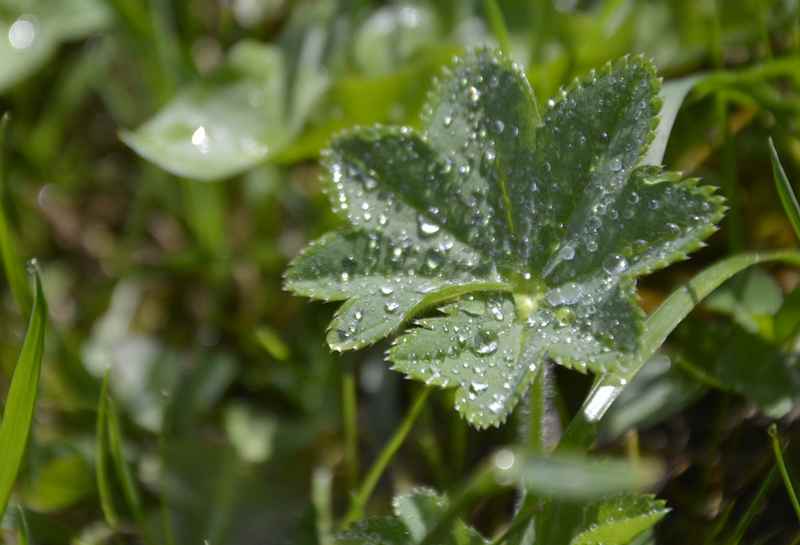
549 217
414 516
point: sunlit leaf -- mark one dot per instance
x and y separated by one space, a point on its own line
221 127
553 213
60 483
21 400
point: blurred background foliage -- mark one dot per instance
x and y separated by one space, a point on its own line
161 165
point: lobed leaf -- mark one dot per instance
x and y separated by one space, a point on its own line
619 520
553 213
415 514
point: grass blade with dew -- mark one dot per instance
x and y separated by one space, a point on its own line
21 401
785 191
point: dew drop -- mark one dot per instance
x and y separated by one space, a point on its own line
474 94
391 306
485 343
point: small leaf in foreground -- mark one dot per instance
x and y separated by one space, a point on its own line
415 514
619 520
21 401
536 226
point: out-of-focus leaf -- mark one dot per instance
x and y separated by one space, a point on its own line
12 264
30 38
102 473
392 34
415 514
223 126
250 433
785 191
60 483
573 477
750 298
21 400
787 320
672 95
658 392
739 361
365 100
469 206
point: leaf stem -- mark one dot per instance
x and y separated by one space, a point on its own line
787 480
379 466
747 518
350 418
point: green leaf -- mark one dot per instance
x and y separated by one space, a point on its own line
618 521
21 400
38 29
608 387
787 320
60 483
785 191
551 213
415 514
736 360
223 126
751 298
573 477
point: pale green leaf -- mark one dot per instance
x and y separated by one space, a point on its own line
223 126
31 38
21 400
551 210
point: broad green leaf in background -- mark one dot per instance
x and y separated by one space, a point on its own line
221 127
415 514
392 34
62 482
730 358
21 400
751 298
40 26
551 215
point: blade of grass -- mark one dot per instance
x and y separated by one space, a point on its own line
12 265
752 509
104 489
121 466
787 480
21 401
498 25
23 528
389 450
785 191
